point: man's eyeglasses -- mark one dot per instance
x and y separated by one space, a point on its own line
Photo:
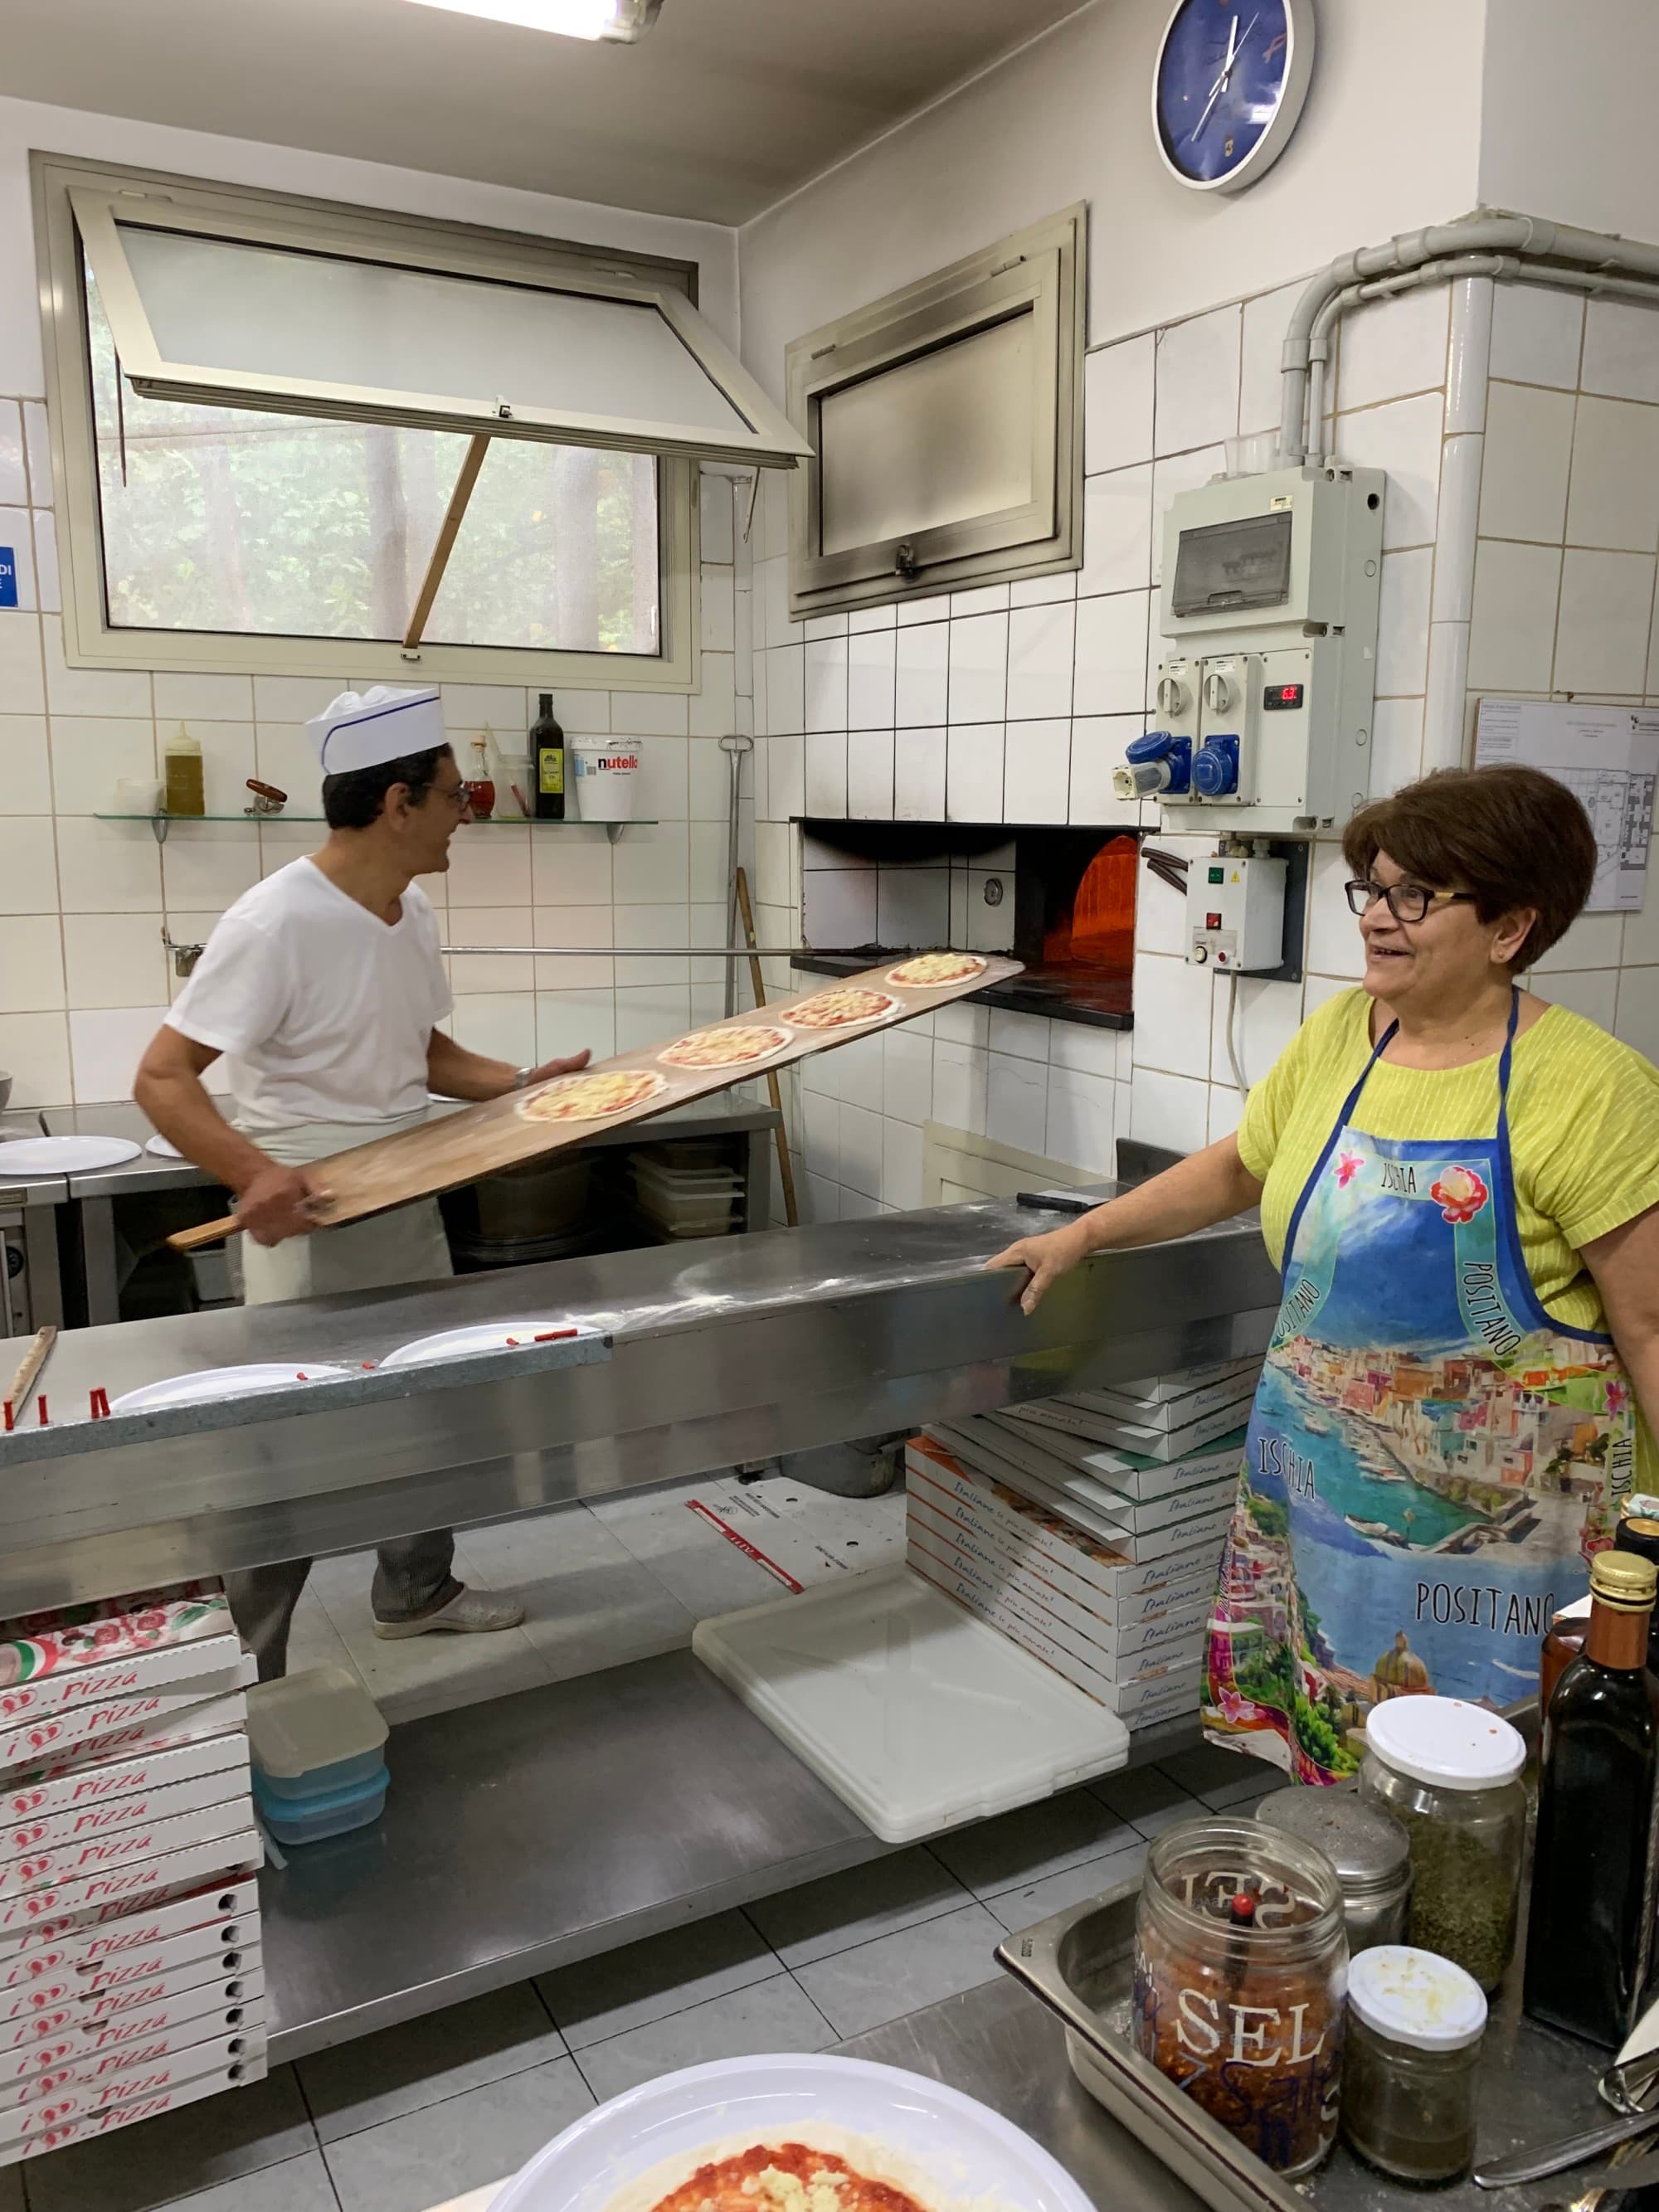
1405 902
460 799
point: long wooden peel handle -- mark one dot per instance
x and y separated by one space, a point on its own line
786 1168
205 1232
23 1383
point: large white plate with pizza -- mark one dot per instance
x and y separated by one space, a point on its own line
775 2134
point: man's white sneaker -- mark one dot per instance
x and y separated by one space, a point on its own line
469 1613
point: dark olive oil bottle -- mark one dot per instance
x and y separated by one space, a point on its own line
547 762
1589 1946
1638 1535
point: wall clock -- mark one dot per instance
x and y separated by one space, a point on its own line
1231 80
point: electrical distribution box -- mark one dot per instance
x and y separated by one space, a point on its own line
1236 912
1265 695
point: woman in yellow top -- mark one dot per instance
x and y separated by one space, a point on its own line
1462 1186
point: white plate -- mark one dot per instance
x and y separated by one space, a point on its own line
208 1383
485 1336
164 1149
54 1156
956 2151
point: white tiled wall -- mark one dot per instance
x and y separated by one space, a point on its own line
83 978
1036 691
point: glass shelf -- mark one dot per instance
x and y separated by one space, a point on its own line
160 824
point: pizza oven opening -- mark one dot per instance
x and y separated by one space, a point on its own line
1061 900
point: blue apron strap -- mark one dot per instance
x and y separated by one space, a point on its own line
1344 1115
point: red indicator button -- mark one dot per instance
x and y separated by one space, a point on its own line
1213 921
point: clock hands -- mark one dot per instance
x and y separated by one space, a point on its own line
1234 41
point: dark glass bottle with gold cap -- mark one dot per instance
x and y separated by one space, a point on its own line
1589 1946
1638 1533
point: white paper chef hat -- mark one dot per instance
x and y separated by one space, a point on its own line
361 731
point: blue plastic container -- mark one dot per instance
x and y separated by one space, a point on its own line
312 1734
324 1813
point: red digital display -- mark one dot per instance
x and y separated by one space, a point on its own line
1283 696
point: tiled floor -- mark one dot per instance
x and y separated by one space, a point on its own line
402 2121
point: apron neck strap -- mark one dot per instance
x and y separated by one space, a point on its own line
1505 1061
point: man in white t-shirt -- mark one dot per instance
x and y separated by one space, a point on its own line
323 988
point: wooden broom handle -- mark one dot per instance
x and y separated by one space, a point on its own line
786 1170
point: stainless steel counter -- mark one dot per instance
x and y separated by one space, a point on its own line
725 1352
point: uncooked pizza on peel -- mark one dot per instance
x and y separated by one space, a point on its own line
930 969
726 1047
596 1095
841 1009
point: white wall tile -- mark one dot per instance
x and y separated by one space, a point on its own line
1268 1016
1402 622
918 758
1111 653
1097 748
718 611
1402 437
713 707
933 607
648 714
186 698
907 1082
1528 453
1594 941
1083 1049
1172 1016
861 1132
839 907
978 669
25 764
37 443
467 707
34 1052
48 587
23 686
14 476
1025 1036
913 907
1637 1015
1512 633
89 690
1169 1109
786 777
208 866
1393 347
709 790
1262 381
1118 382
568 867
650 867
570 1022
562 926
860 619
1037 772
1016 1102
1333 941
1043 591
107 867
826 683
786 681
1226 1111
962 1023
1396 744
1042 650
1607 604
1198 370
1082 1120
495 866
105 1048
821 1115
901 1166
645 1013
973 782
16 533
870 662
826 772
870 775
32 963
1537 333
1614 499
1620 358
1592 992
1117 531
110 962
90 756
501 1024
921 684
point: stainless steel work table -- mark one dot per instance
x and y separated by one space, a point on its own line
550 1825
29 1226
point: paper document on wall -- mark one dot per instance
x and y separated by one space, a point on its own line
1608 757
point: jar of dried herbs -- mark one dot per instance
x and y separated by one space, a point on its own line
1449 1773
1414 2028
1241 1970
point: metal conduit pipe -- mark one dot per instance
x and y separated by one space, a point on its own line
1527 238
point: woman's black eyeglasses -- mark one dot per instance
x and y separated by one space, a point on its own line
1405 902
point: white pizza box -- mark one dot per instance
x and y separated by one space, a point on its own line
1154 1703
198 1954
50 1835
227 2008
171 1667
1180 1381
223 1914
38 2129
1140 1516
955 1574
49 1737
1174 1411
1132 1473
44 1916
916 1715
114 2077
225 1971
983 1477
1027 1581
197 1720
1049 1484
1131 1436
92 1785
82 1994
53 1864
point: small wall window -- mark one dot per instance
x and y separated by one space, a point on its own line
945 422
291 434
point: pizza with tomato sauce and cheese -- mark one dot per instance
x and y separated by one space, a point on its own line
932 969
597 1094
725 1048
785 2177
841 1009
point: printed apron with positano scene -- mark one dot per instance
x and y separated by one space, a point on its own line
1431 1463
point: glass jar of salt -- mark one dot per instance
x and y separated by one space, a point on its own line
1449 1773
1241 1968
1414 2028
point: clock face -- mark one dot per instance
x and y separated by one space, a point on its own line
1230 78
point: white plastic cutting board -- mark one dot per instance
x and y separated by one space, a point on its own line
916 1714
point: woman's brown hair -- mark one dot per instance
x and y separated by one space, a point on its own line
1513 836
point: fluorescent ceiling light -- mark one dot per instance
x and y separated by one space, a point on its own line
623 20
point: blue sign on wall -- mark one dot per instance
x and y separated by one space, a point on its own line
7 577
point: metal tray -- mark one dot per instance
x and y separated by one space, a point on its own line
1534 2085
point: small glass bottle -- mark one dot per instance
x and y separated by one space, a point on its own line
1638 1533
1450 1774
181 765
1241 1967
1415 2024
1371 1851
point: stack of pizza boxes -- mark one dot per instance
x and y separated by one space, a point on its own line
1089 1529
130 1976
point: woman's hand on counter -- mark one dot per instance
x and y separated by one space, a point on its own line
1048 1257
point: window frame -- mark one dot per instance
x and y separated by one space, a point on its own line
1039 270
89 639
